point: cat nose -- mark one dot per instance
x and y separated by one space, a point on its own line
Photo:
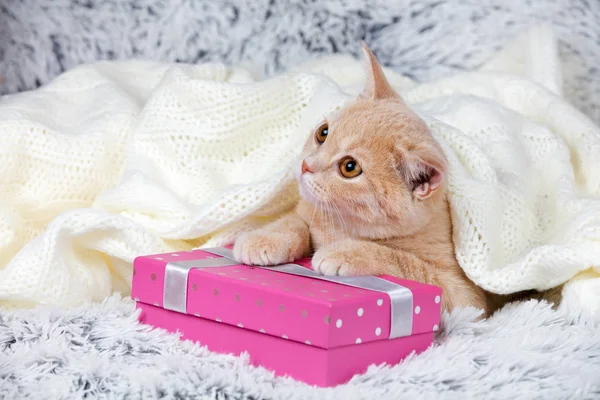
305 167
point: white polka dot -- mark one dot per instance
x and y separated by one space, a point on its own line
175 255
196 314
284 336
262 331
338 323
307 342
437 299
358 340
417 310
159 258
241 325
435 328
136 299
360 312
379 302
378 331
218 319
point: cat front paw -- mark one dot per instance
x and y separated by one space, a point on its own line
342 262
266 248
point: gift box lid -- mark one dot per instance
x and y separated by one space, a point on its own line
279 302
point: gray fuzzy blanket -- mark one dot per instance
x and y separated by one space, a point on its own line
423 39
527 350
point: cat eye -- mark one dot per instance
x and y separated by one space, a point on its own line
349 168
322 132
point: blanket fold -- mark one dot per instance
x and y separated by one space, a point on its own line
117 159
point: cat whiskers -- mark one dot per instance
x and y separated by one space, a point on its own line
332 226
315 209
324 218
325 209
312 220
322 222
345 232
331 238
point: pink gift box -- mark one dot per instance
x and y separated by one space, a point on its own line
316 331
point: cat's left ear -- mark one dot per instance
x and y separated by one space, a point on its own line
377 86
425 174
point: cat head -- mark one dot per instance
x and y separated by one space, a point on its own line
374 162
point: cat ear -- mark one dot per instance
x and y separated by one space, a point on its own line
376 85
424 178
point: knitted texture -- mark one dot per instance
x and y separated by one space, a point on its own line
117 159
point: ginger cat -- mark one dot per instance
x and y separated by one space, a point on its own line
373 200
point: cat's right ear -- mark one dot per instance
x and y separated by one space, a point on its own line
377 86
424 171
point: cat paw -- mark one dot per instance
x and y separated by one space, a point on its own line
266 248
342 262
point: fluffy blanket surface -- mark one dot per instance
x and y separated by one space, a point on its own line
525 351
423 39
117 159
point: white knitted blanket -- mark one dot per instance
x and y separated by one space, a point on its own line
117 159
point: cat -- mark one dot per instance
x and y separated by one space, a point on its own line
373 200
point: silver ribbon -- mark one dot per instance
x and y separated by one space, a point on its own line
176 280
401 299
